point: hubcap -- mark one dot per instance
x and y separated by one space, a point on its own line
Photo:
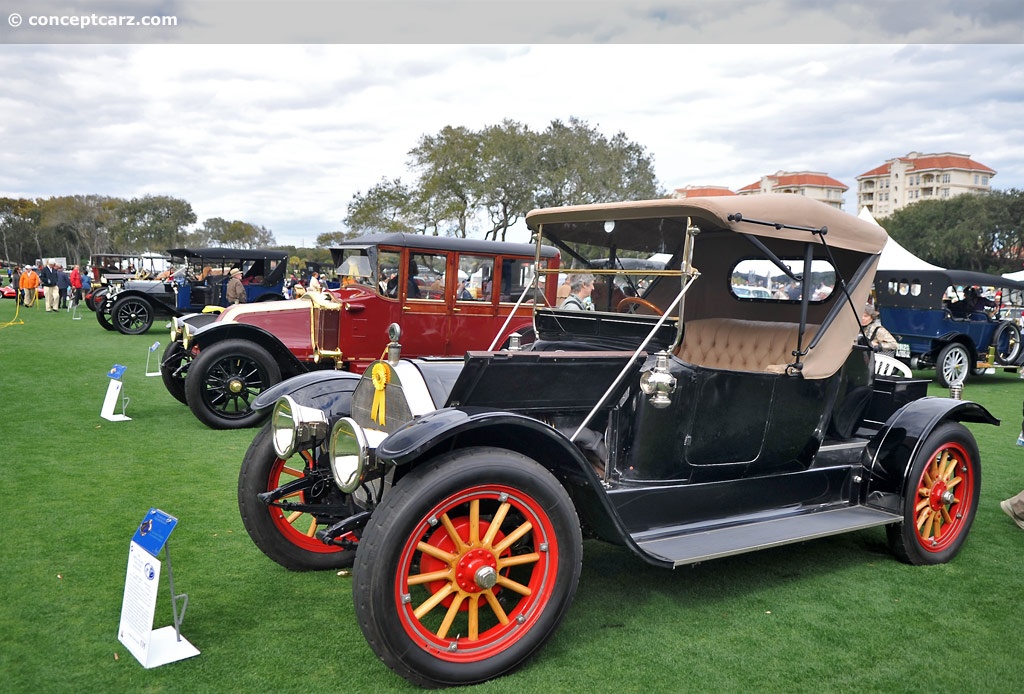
236 385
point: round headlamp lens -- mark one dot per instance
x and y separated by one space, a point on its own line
348 454
283 427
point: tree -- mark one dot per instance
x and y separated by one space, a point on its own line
151 223
332 238
982 232
450 178
76 226
509 155
386 207
18 224
236 234
482 183
578 165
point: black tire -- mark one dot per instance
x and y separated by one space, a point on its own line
1006 339
953 364
225 378
174 357
131 315
940 496
510 491
288 537
102 317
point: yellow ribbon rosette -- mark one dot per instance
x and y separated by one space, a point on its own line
381 376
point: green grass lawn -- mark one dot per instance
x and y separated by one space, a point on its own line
832 615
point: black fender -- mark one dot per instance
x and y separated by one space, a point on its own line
895 446
330 391
462 427
160 308
219 331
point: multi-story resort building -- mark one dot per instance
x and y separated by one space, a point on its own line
905 180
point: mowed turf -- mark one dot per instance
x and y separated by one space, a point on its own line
838 614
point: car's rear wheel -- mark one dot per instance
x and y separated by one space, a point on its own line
131 315
953 364
288 536
1007 343
225 378
941 497
171 372
467 567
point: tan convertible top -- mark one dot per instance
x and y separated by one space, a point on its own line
844 230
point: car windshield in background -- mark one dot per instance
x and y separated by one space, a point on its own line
760 279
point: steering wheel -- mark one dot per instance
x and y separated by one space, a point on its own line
629 302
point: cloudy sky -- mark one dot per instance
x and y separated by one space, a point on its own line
283 134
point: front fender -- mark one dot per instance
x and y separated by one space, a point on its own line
892 450
330 391
217 331
477 426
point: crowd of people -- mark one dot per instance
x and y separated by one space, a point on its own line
60 286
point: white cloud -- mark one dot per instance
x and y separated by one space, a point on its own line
284 135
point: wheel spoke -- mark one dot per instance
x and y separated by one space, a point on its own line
518 560
437 553
496 607
430 577
513 585
460 545
499 518
433 601
513 536
449 617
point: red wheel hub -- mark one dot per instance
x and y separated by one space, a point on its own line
476 570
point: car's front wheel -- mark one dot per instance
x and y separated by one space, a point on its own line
467 567
941 497
225 378
102 317
288 535
953 364
131 315
171 371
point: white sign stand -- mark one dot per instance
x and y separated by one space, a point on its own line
152 348
110 401
135 631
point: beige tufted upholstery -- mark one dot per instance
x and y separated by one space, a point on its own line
741 345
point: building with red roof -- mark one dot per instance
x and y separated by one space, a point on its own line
701 191
813 184
905 180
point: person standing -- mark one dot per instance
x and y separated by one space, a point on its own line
16 284
314 282
880 339
63 285
51 295
29 285
236 290
581 286
75 280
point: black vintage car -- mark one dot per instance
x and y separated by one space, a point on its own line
200 280
686 422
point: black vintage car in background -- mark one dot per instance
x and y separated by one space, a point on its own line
200 280
680 419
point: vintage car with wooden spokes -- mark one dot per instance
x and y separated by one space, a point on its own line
677 418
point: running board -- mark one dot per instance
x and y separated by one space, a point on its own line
689 548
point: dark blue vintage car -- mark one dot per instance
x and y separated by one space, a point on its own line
200 281
944 319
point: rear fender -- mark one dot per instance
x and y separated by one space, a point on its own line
895 446
330 391
219 331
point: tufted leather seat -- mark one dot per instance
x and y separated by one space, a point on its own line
741 345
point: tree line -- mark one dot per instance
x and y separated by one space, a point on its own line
79 226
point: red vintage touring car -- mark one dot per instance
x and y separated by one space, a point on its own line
449 295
